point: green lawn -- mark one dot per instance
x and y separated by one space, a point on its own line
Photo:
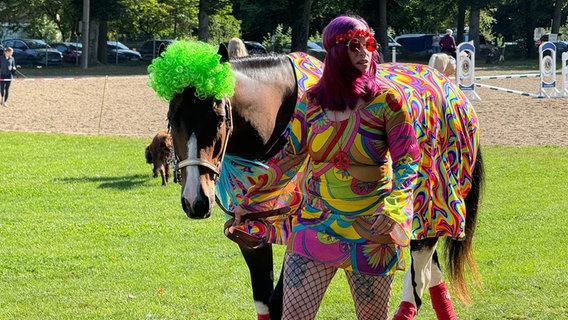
87 233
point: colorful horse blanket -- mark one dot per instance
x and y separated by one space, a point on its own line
447 130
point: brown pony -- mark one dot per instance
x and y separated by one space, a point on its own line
157 153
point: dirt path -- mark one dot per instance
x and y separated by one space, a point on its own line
126 106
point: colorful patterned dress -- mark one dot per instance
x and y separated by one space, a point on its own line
358 167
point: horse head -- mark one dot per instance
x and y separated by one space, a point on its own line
197 81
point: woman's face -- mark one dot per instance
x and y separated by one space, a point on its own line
360 51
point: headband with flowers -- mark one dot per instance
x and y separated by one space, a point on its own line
359 33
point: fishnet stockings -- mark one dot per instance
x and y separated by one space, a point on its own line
305 283
371 295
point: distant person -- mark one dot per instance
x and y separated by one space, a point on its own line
236 48
436 43
7 70
500 43
448 43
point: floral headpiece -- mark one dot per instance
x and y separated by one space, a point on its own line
191 64
359 33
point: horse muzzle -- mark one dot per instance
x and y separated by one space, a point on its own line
199 209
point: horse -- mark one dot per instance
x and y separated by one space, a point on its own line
444 63
217 136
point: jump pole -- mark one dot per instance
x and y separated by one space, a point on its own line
511 76
528 94
564 91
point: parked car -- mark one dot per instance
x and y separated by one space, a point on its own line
561 46
149 49
33 51
118 52
313 49
71 51
393 44
418 42
255 47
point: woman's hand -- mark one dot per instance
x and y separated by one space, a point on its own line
239 212
383 224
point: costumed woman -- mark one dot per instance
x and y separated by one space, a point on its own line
363 156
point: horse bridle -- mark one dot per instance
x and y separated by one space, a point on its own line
178 165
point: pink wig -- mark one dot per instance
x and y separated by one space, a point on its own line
341 84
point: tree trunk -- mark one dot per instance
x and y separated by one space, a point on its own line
93 41
102 43
382 32
300 14
474 14
557 17
461 22
203 16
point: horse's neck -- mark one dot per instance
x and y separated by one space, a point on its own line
262 108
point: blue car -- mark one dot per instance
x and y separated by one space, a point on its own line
33 51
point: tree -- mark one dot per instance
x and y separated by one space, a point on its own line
557 16
203 33
300 13
147 17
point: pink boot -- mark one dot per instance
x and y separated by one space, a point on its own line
405 311
442 303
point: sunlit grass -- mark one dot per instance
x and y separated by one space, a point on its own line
87 233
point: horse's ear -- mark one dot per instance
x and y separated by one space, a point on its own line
161 49
223 52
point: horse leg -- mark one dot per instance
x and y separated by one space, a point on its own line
260 264
277 298
417 278
163 175
167 170
439 293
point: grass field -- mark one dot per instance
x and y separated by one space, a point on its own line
87 233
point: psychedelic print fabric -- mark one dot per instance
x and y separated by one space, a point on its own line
446 127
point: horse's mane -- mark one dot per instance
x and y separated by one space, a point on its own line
265 68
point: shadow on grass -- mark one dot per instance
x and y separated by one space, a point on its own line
118 183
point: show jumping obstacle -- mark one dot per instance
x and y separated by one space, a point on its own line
465 77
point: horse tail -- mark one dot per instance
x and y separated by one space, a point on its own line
459 254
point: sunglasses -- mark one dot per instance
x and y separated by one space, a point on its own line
356 46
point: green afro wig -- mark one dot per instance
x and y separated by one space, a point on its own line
191 64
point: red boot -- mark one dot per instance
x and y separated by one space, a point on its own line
442 303
262 316
405 311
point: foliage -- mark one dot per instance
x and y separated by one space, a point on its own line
89 234
148 17
261 17
253 20
276 40
223 25
43 28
